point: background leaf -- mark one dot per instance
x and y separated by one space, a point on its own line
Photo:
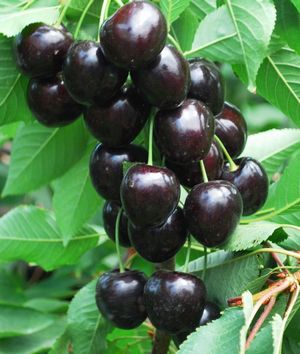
173 8
41 154
201 8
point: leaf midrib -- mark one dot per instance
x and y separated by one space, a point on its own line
50 240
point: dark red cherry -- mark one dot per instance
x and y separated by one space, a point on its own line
251 180
174 301
149 194
40 49
50 102
211 312
119 297
160 243
89 77
106 168
190 174
166 80
110 212
207 84
212 211
134 35
231 128
185 134
118 122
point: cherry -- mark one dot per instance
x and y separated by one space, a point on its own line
211 312
207 84
149 194
160 243
174 301
106 168
40 49
231 128
251 180
212 211
89 77
185 134
110 213
50 102
120 121
166 80
119 297
134 35
190 174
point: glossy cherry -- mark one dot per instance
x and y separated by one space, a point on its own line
40 49
211 312
119 297
190 174
231 128
134 35
118 122
251 180
160 243
207 84
89 77
50 102
166 80
185 134
106 168
149 194
174 301
212 211
110 212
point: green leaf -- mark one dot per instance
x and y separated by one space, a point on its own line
11 288
225 268
41 154
8 132
296 4
86 326
75 200
61 345
14 17
220 336
47 305
278 81
16 321
201 8
172 9
13 105
273 147
38 342
31 234
288 23
248 236
277 324
185 28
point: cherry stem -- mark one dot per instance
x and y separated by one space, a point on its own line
63 13
117 231
205 263
174 42
150 147
188 254
103 14
203 171
119 2
28 4
233 166
82 17
277 259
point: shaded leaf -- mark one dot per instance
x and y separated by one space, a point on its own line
172 9
185 28
201 8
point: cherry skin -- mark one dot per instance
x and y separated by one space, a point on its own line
190 174
174 301
212 211
89 77
110 212
149 194
106 168
160 243
40 49
50 102
211 312
120 121
119 297
251 180
185 134
166 80
207 84
231 128
134 35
